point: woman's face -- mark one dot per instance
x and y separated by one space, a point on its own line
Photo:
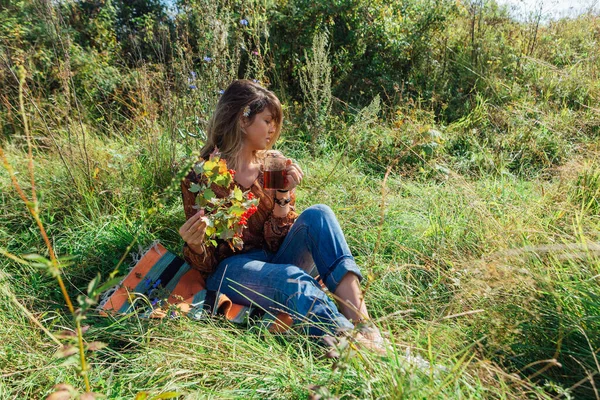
259 132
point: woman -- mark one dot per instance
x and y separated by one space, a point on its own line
280 247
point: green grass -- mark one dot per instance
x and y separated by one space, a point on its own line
461 276
486 261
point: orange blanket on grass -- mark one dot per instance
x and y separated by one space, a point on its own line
162 284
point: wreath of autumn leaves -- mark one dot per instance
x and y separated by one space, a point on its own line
226 217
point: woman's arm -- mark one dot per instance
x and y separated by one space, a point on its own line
285 198
283 203
278 224
195 253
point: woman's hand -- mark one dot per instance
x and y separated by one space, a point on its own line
294 175
192 232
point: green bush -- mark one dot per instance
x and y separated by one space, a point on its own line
374 45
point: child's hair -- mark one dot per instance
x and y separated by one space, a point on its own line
224 129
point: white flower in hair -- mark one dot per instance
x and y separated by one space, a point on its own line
246 111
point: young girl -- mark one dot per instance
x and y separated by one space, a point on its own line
281 248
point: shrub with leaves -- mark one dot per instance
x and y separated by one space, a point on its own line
225 217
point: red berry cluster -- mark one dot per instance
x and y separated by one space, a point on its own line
247 214
232 172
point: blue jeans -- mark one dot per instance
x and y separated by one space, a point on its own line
284 281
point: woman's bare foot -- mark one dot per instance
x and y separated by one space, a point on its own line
370 338
364 337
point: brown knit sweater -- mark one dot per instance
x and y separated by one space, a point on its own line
264 231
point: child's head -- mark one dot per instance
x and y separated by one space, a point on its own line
238 105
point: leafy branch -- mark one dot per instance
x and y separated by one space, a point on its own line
226 217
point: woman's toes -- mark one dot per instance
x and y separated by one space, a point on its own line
376 345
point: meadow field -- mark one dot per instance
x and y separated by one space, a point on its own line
458 147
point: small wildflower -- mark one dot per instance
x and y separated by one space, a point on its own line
221 91
244 22
255 52
246 111
191 80
207 59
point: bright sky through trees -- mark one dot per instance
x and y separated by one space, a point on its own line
551 8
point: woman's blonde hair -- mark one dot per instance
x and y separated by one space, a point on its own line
224 129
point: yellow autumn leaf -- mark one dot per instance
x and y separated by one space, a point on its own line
222 166
209 165
237 194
